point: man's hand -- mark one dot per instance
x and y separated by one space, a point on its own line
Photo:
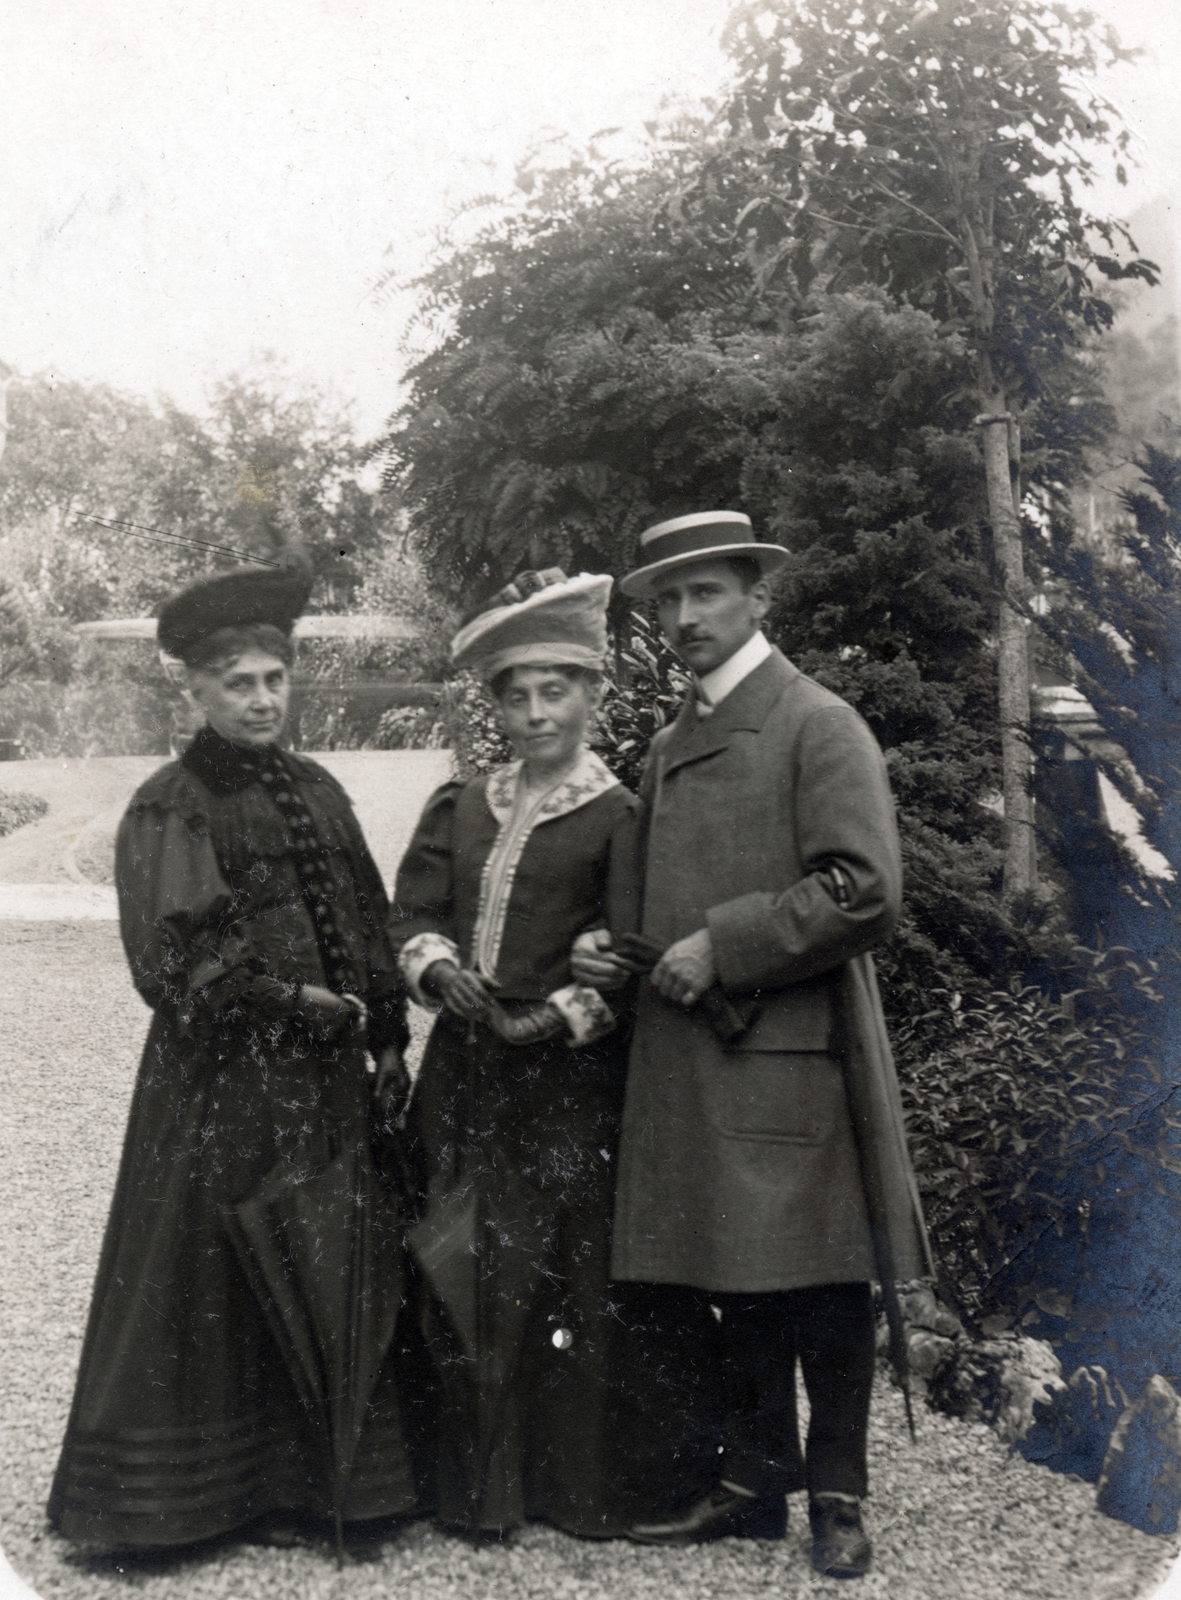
593 961
460 991
686 969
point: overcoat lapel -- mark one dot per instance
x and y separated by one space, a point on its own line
745 707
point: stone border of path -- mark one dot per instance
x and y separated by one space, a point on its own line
57 902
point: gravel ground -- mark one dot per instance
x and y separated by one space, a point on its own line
75 840
954 1516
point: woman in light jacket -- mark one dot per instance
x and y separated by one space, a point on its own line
518 1105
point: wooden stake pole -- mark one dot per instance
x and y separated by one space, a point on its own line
1012 657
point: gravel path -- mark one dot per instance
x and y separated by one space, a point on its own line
954 1516
74 841
78 791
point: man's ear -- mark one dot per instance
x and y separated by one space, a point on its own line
760 594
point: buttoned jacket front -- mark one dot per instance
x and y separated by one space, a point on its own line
738 1168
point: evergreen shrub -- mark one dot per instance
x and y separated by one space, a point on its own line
17 808
1018 1107
410 728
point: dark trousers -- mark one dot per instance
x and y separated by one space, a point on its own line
829 1329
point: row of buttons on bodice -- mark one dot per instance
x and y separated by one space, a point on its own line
311 863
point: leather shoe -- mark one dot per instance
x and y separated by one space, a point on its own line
721 1514
840 1547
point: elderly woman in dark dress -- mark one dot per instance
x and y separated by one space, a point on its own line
518 1104
253 918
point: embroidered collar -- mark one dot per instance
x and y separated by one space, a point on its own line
589 778
224 767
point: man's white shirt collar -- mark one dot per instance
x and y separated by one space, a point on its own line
716 685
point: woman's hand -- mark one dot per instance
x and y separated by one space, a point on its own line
325 1014
461 992
594 962
320 1002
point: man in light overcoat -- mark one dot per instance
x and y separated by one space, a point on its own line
769 1173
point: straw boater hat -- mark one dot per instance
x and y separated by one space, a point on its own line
541 619
239 598
704 536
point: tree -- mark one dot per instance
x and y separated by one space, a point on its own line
609 356
937 149
280 466
611 351
1116 619
176 496
262 469
543 419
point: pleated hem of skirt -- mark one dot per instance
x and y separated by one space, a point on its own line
106 1523
101 1530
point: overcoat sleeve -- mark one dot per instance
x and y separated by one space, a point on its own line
623 900
173 898
851 892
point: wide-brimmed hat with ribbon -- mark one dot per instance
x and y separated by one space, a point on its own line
541 619
239 598
702 536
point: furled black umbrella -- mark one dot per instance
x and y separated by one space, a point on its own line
481 1248
322 1248
891 1195
481 1245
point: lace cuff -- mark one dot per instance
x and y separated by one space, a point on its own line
587 1014
420 953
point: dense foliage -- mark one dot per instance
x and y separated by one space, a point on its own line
939 150
797 309
1116 617
17 808
611 358
1017 1109
263 469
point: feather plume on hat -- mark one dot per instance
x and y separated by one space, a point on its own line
539 619
245 595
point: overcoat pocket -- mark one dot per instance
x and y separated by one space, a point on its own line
775 1097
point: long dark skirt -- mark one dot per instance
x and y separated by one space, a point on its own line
563 1397
185 1422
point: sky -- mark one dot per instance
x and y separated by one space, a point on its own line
186 185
